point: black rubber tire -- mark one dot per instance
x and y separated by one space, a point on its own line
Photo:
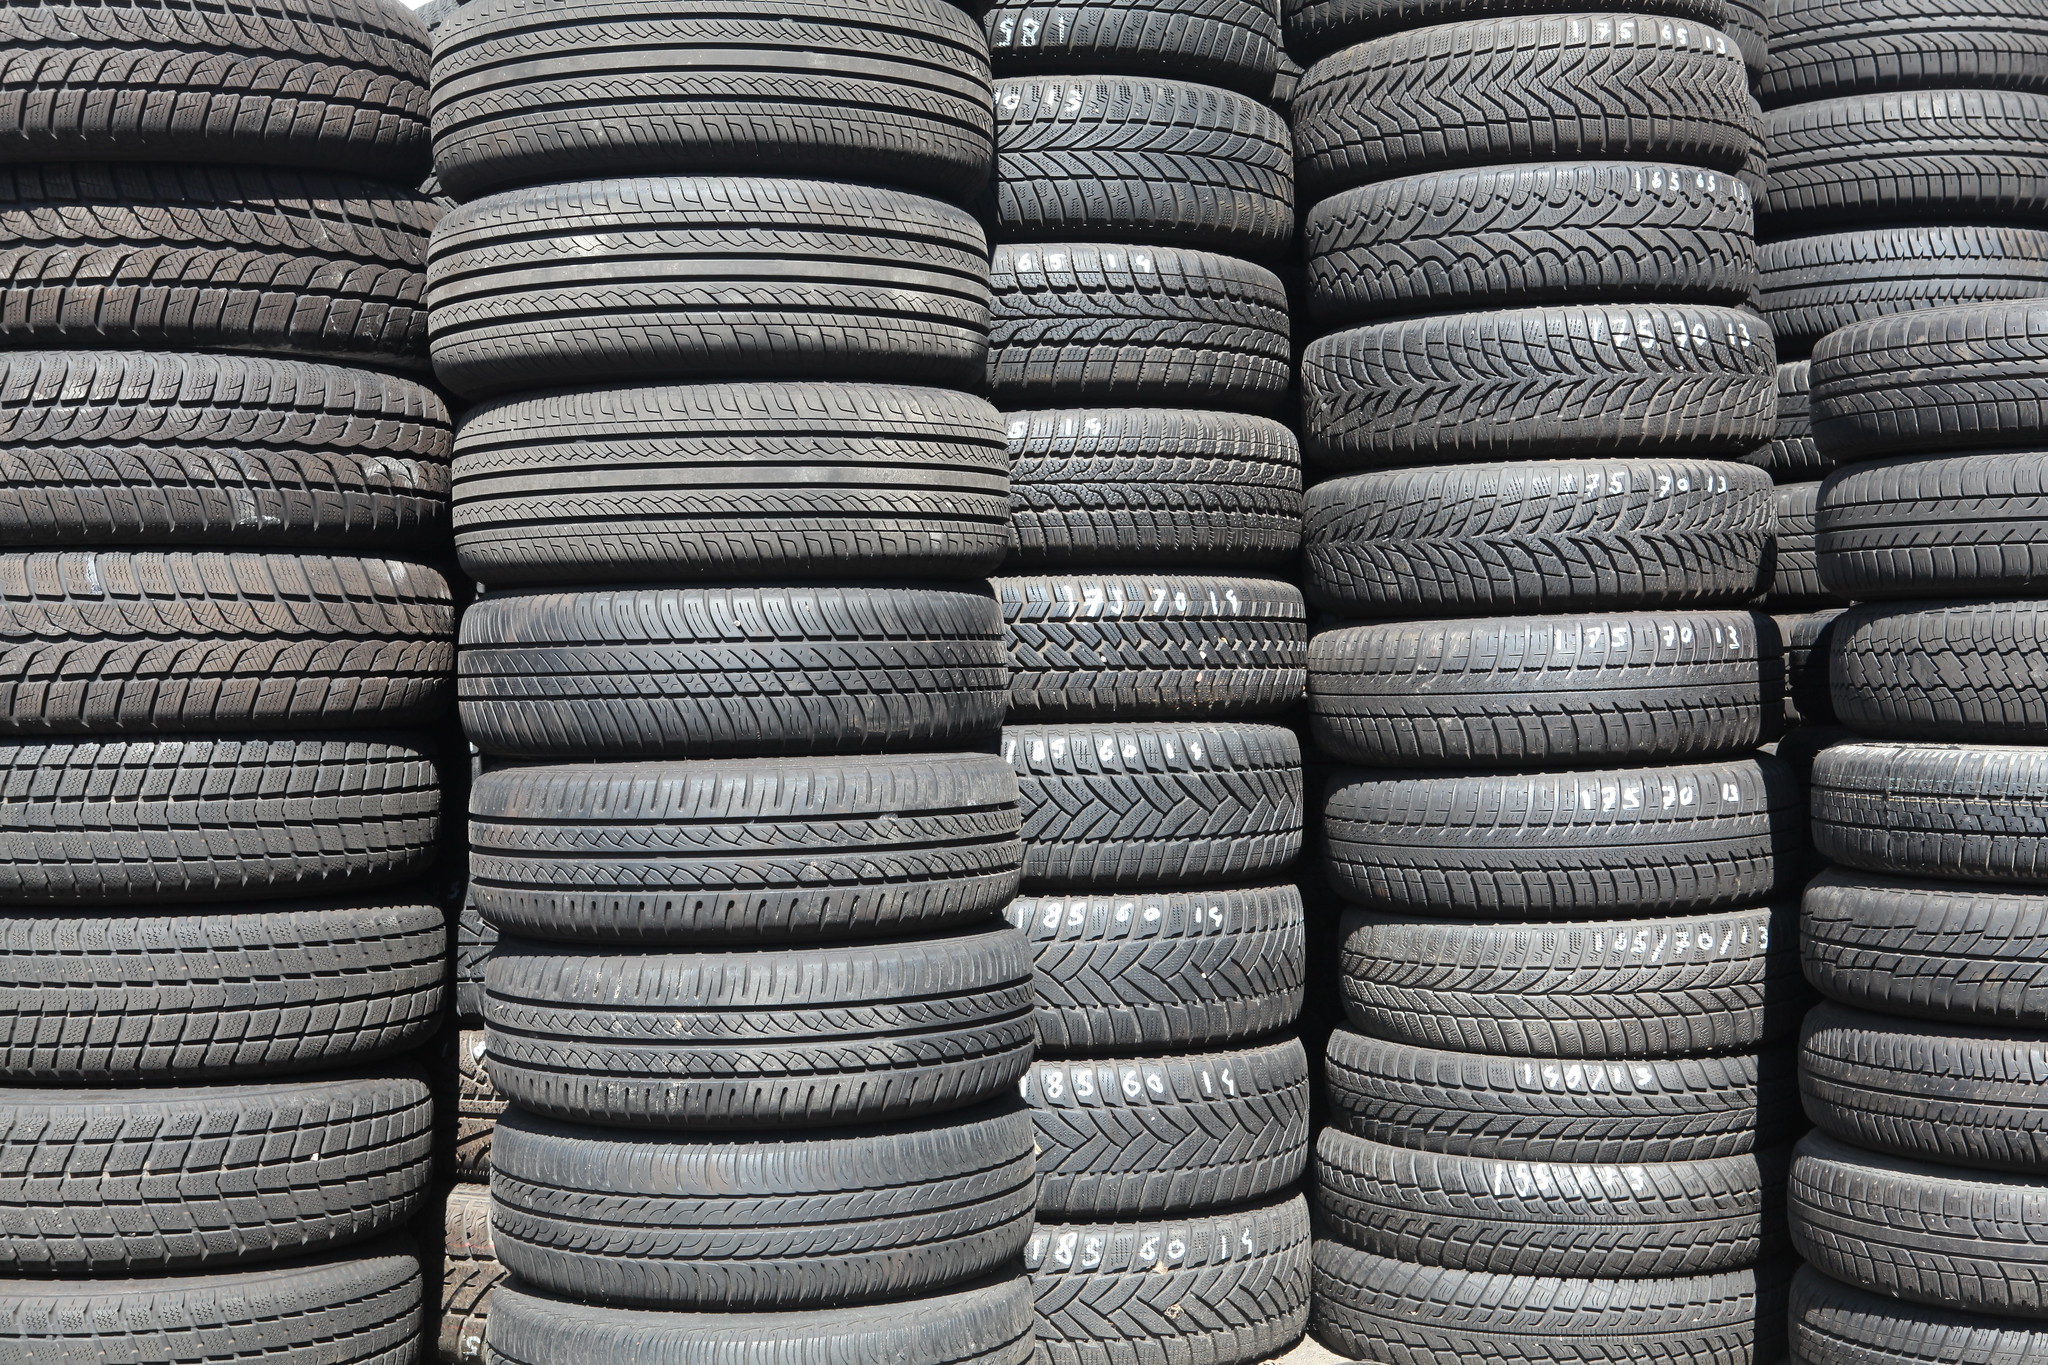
1154 1137
621 281
214 258
1316 28
474 939
1812 286
633 87
1081 323
113 822
1522 1109
1707 983
987 1324
1155 804
1974 812
1792 454
1643 1220
1911 1230
1233 43
1156 971
361 1306
800 1037
1748 22
1809 666
712 672
1833 1324
1637 842
1286 84
147 642
744 850
1231 1288
470 1273
1609 535
1974 155
763 1220
1824 48
1151 488
1942 670
1936 527
1187 647
1517 88
134 1182
1522 236
1140 159
730 482
1371 1308
1928 950
1533 691
1795 580
1962 379
477 1106
141 997
1930 1091
324 84
1572 381
145 448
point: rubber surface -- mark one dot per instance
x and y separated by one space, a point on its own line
1233 43
1963 379
1978 812
1812 286
1792 455
1824 48
1809 665
1942 670
1318 27
470 1274
1833 1324
1796 581
477 1106
1935 527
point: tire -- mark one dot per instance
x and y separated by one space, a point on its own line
1371 1308
745 850
1531 691
621 281
1161 971
1236 1292
356 1307
1156 647
1927 1234
329 85
1135 159
474 939
1571 382
214 258
1821 49
1540 846
111 822
1708 983
1809 666
1316 28
1155 1137
1816 285
1935 527
141 448
713 672
730 482
477 1104
1155 804
129 1182
1501 89
1749 24
145 997
1942 670
1833 1324
763 1221
1131 325
1973 955
797 1037
1149 488
1581 1221
1609 535
1928 1091
988 1324
1232 43
1968 154
1792 455
470 1274
1963 379
1523 1109
1975 812
1524 236
635 87
1796 581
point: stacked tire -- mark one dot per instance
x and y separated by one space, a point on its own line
741 829
227 642
1559 1108
1141 348
1805 611
1919 1202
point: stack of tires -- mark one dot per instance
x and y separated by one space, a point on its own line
1139 349
1560 1109
1805 611
741 828
1921 1204
225 643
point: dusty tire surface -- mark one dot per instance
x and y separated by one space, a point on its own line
1937 526
1976 812
1943 379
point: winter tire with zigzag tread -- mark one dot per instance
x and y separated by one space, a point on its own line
469 1274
